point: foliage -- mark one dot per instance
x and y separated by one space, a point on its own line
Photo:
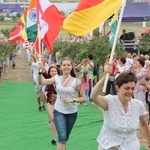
18 15
6 48
1 18
14 18
144 45
99 47
7 15
96 32
6 32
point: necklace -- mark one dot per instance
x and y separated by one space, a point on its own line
64 81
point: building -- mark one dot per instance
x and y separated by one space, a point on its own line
67 6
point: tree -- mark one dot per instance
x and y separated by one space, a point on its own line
6 32
99 47
144 45
6 48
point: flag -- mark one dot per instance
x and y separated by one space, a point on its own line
24 32
50 20
113 27
15 34
36 45
89 14
31 21
26 44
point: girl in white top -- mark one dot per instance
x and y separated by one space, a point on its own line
122 114
121 67
65 108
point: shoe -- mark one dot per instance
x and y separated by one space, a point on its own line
43 108
85 104
53 141
40 108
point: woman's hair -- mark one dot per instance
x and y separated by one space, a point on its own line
72 73
84 75
52 63
123 60
125 77
141 61
49 70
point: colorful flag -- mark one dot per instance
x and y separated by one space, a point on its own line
50 20
24 33
113 27
15 34
31 21
89 14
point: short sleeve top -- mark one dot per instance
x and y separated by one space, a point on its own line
69 92
119 128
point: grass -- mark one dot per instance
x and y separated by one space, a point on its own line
22 127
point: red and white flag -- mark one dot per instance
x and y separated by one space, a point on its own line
50 21
15 34
27 44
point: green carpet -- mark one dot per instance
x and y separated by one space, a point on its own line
22 127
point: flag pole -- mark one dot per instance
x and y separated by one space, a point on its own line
39 42
38 24
115 42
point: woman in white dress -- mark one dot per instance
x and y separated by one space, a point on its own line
122 114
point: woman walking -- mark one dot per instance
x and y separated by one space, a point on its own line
122 114
51 98
65 108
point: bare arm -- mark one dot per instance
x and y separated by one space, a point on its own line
82 97
41 79
91 66
78 67
100 100
143 83
44 81
145 128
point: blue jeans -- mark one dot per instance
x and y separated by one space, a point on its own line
64 124
87 97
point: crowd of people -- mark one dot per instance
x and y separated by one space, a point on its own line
65 83
5 61
61 84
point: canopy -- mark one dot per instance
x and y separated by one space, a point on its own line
136 12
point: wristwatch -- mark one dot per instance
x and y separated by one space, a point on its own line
74 100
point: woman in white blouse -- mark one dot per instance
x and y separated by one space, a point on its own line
122 114
65 108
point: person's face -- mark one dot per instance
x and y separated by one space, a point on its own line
84 63
66 66
52 65
53 72
44 60
120 62
126 91
138 64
